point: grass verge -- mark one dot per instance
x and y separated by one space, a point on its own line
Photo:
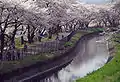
109 73
74 39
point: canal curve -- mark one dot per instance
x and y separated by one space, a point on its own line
92 54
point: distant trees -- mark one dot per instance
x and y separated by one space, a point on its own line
117 8
109 18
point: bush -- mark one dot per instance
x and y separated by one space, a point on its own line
68 44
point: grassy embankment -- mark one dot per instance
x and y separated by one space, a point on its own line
73 40
7 66
108 73
96 29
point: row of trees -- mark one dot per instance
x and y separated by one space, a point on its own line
10 19
52 16
14 20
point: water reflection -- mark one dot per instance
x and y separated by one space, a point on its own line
92 55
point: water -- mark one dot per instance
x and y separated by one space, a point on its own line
91 55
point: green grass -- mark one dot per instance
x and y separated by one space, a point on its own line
18 43
73 40
76 37
67 44
108 73
96 29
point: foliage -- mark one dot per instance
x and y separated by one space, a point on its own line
18 44
68 44
52 16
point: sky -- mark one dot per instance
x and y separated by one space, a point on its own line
95 1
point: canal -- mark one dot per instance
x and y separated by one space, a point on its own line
92 54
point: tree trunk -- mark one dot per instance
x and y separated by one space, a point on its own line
28 36
2 44
13 39
13 42
32 37
50 33
40 39
86 25
22 40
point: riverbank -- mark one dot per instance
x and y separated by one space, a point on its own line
19 68
69 56
108 73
